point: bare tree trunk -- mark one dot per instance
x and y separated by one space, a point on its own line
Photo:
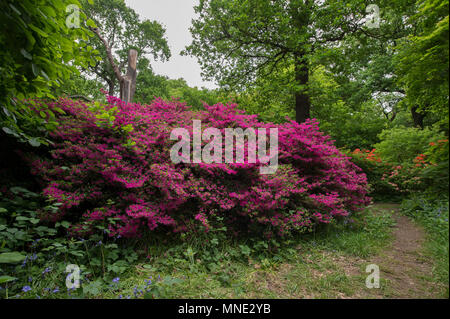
128 85
127 82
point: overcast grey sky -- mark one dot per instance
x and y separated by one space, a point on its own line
175 16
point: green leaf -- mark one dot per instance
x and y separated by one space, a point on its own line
91 23
22 218
26 54
45 75
37 30
49 11
17 190
65 224
57 109
7 130
34 142
11 258
30 38
15 9
34 220
35 69
4 279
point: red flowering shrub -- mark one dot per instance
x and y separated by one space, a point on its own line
111 164
371 156
387 180
375 169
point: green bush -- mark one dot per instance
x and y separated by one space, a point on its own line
379 188
401 145
436 174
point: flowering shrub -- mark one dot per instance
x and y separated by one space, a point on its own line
110 164
388 180
402 144
376 169
427 171
371 156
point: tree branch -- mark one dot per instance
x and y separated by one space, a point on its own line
109 54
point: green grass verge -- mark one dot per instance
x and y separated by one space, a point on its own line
326 264
432 215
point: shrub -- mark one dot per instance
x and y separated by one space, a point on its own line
376 170
427 172
401 145
110 165
435 175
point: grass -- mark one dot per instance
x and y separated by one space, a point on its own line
432 215
327 264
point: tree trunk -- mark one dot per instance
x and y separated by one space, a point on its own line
417 117
128 83
111 88
302 100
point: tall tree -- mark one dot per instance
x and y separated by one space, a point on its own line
237 41
423 61
120 29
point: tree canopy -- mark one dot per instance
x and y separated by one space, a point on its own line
122 29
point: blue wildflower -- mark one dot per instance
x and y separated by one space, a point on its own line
25 261
46 270
116 279
26 288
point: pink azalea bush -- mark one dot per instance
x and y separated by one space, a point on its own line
111 164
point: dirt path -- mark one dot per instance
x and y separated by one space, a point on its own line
403 265
405 270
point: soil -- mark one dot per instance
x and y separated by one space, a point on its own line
404 265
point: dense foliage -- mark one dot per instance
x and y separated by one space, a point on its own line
425 171
400 145
39 50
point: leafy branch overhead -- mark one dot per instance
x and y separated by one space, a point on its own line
38 52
